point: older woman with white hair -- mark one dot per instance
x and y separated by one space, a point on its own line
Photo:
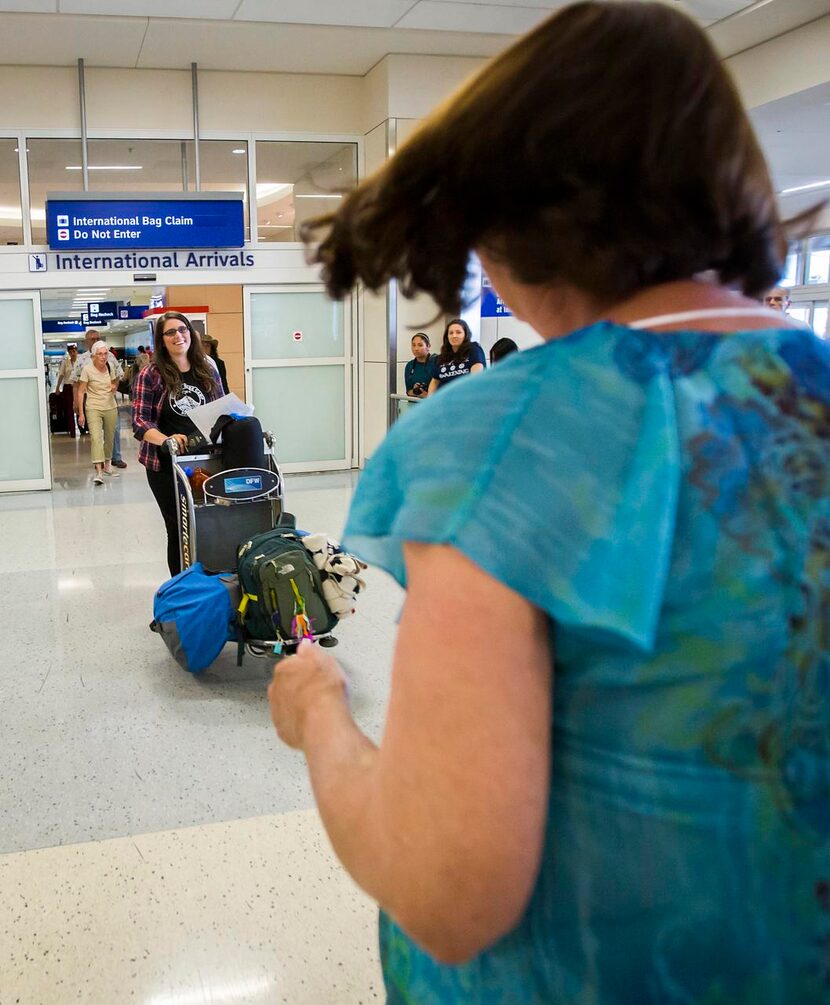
98 410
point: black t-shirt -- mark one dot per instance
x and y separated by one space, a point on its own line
445 372
174 416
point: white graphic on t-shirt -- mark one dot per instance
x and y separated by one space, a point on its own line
189 398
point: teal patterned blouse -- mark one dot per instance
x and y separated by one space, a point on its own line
665 498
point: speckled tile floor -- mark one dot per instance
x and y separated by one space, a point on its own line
157 843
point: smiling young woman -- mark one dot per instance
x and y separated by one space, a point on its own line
180 378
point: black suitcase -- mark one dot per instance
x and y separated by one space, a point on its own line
57 414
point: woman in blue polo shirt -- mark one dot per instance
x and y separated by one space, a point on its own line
418 371
459 355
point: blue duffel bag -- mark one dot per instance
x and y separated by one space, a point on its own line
195 614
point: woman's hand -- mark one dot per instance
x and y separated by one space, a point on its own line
181 441
309 681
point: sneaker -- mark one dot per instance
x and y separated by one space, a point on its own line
120 464
110 473
97 480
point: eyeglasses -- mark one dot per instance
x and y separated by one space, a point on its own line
181 330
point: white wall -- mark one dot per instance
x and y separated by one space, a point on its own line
39 97
160 100
784 65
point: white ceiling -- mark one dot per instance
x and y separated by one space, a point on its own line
795 134
319 36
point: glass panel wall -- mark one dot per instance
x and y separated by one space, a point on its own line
223 166
296 326
306 404
296 181
790 277
143 166
820 319
801 312
52 168
24 454
11 215
817 269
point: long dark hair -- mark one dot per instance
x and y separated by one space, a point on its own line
448 354
631 162
200 370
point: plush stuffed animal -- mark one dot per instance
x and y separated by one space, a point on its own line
340 573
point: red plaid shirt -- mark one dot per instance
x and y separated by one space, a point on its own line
149 393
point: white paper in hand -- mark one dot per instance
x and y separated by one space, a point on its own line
204 416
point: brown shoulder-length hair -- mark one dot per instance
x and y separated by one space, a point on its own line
448 354
200 370
607 149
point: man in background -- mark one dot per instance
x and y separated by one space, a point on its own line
92 336
65 387
778 298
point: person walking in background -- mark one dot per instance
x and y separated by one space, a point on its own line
141 360
180 378
606 780
211 347
97 384
92 336
418 371
459 356
502 347
778 298
65 387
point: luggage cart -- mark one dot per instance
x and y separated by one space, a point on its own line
235 504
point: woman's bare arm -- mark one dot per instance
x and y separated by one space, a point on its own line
443 823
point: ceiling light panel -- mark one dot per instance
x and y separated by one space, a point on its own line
360 13
221 9
494 19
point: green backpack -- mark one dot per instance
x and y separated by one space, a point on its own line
282 590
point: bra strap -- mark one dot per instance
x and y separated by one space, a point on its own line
711 312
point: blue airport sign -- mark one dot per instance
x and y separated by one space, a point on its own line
51 326
103 310
126 312
492 305
79 221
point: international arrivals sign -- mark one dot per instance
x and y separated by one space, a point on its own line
134 261
83 221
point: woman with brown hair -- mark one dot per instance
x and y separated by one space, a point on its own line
180 378
459 356
607 777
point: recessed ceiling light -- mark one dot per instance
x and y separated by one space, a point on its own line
805 188
238 150
106 167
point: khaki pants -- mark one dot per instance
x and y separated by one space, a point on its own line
101 425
